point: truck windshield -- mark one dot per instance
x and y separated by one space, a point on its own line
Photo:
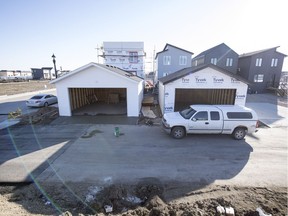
187 113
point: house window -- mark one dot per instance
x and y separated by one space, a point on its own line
274 62
165 74
133 57
182 60
258 78
214 61
258 62
166 60
229 62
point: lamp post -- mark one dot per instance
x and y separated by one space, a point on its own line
54 62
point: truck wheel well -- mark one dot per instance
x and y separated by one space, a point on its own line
244 127
179 126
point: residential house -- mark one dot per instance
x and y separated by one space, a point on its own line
128 56
170 60
43 73
262 68
15 74
221 55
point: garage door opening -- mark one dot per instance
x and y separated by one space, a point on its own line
186 97
98 101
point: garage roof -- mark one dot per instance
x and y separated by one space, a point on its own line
105 67
184 72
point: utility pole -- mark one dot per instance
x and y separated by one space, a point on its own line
98 53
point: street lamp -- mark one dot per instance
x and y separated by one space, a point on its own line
54 62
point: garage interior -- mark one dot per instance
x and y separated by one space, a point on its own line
186 97
98 101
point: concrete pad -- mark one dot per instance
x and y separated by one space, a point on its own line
102 108
27 165
27 150
143 151
270 114
8 123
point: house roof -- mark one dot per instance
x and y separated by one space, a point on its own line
105 67
184 72
259 51
166 49
210 50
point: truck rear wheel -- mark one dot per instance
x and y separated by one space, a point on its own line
178 132
239 133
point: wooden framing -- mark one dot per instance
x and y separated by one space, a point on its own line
80 97
186 97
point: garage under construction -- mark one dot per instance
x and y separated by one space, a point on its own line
208 84
186 97
96 89
98 101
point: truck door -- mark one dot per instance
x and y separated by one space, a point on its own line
206 122
216 122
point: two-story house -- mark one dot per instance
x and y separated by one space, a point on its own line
221 55
170 60
43 73
262 68
128 56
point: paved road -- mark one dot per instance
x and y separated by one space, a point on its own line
12 103
141 151
26 151
144 151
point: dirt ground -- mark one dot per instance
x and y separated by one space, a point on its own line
23 87
147 197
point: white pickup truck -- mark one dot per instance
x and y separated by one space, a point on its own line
211 119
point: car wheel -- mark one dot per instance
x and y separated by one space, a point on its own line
239 133
46 104
178 132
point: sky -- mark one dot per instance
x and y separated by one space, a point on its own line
32 30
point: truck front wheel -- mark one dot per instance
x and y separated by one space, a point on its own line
239 133
178 132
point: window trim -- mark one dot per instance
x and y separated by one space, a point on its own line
214 61
274 62
258 62
183 60
229 62
167 60
133 57
259 78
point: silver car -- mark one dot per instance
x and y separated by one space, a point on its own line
41 100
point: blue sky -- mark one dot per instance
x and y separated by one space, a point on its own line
32 30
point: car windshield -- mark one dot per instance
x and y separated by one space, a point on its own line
187 113
37 97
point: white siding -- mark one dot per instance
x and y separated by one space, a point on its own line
94 77
161 96
208 78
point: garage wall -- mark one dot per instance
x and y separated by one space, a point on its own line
94 77
185 97
208 78
80 97
161 96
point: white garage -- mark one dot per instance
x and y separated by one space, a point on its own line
95 85
208 84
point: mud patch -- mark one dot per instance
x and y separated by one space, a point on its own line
91 134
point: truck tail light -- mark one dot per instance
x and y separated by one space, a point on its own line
257 124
